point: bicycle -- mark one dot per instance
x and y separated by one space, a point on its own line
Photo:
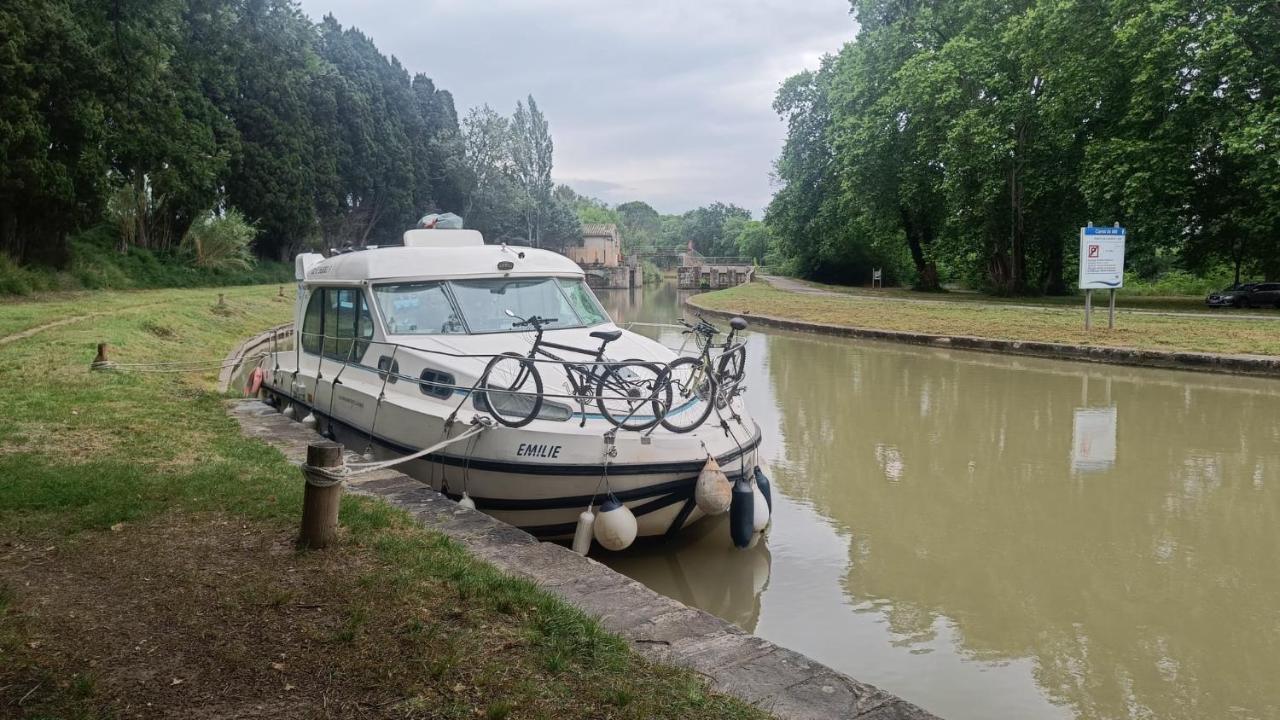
697 383
619 390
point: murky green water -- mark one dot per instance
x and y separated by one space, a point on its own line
1000 537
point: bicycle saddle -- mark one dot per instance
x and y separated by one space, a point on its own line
738 324
606 335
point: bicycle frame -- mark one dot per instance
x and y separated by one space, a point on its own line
581 377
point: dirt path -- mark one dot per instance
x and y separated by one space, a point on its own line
36 330
802 287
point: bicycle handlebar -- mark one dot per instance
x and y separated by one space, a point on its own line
535 321
702 327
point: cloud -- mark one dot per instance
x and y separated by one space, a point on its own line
667 102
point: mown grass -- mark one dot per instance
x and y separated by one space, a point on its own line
1047 324
83 453
1152 298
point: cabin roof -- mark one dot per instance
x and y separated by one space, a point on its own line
397 262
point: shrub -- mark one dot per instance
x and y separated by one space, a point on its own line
97 263
650 273
221 242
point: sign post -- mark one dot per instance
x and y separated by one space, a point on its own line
1101 267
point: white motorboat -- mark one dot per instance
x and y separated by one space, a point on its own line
401 348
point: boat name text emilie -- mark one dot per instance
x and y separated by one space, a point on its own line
538 450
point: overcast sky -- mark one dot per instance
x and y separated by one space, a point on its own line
663 101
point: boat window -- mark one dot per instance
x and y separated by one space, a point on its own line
312 323
584 302
436 383
364 324
484 303
420 308
343 310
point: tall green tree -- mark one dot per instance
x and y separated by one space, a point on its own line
53 165
531 163
980 135
641 225
275 172
168 139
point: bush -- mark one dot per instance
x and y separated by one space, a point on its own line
1178 282
97 264
14 280
651 274
221 242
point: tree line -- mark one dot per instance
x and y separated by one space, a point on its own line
717 229
970 140
156 116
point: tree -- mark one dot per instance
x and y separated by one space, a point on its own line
167 137
273 174
639 224
754 241
489 195
710 228
973 136
531 151
51 129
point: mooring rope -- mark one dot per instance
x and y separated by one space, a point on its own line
178 366
338 474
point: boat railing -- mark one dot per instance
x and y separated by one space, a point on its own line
729 387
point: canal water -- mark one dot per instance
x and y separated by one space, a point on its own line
1001 537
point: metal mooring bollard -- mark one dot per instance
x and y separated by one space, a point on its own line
322 496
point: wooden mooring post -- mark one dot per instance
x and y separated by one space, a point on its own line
100 362
322 496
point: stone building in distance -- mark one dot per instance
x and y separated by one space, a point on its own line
599 253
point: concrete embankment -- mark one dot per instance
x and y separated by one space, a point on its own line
780 681
1263 365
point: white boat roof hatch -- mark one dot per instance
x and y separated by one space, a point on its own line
387 263
431 237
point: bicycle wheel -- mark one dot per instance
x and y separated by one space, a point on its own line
630 395
732 365
512 389
693 392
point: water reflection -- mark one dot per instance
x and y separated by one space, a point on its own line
704 571
1005 537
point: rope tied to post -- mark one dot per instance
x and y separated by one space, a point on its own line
326 476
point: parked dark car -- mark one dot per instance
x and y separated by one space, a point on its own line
1247 295
1230 296
1265 294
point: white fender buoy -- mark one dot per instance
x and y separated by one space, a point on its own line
615 526
712 493
466 501
582 534
761 507
289 412
309 420
367 455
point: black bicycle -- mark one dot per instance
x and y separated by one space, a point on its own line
697 384
627 393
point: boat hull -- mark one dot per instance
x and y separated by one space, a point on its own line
541 478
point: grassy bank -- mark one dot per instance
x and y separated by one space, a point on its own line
1144 298
147 565
95 264
1046 324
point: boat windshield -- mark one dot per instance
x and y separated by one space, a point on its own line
566 302
480 306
